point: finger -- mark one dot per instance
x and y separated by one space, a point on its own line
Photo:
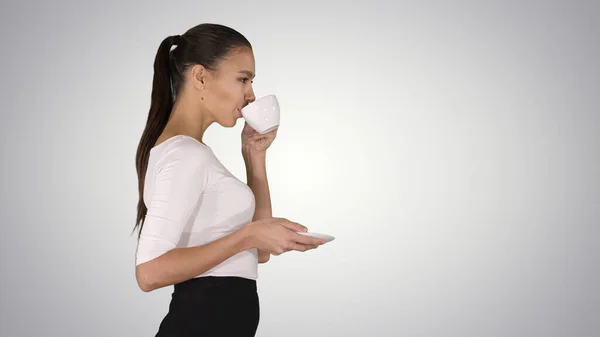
296 227
278 251
307 240
269 135
299 247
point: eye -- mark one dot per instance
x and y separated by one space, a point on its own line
245 80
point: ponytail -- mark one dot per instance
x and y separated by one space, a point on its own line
158 116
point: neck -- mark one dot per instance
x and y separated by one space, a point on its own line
189 118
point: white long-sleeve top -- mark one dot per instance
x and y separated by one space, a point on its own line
192 199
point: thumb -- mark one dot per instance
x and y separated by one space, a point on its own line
296 227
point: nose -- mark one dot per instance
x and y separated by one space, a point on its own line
250 97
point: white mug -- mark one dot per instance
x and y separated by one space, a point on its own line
262 114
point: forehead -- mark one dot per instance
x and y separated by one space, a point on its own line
240 59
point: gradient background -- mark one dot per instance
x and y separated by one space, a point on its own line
453 149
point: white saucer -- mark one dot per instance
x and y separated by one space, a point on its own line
325 237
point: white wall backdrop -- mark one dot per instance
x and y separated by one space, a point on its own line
451 147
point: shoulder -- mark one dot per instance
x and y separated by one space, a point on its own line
185 153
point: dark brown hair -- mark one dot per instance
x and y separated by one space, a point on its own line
205 44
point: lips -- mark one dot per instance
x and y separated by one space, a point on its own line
239 110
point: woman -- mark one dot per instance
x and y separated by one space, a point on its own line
201 229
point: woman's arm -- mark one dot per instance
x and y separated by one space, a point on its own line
180 264
256 177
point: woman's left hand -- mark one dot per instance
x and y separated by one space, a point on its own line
254 142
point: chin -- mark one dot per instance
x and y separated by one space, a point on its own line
228 123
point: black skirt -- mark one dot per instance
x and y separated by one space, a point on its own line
213 307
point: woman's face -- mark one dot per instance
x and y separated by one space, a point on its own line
228 89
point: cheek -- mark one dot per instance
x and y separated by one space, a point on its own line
228 96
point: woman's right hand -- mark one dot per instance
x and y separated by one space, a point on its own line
278 235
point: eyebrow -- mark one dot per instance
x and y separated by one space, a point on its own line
247 72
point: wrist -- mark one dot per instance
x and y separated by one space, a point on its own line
253 155
247 237
256 165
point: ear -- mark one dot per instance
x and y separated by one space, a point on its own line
198 77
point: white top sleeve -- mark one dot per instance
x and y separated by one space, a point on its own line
176 187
